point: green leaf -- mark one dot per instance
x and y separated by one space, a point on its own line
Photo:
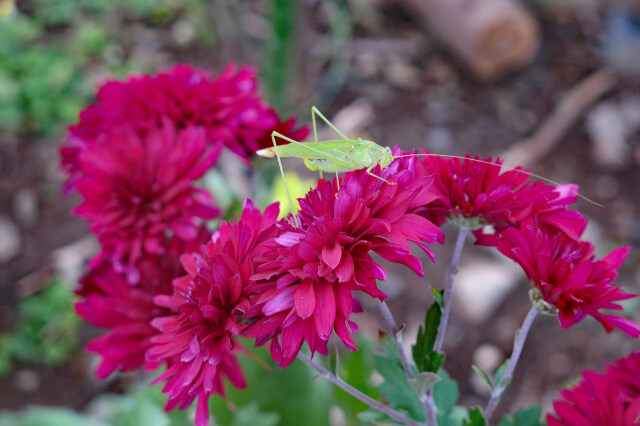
476 418
438 296
500 372
425 357
251 415
371 416
291 392
396 387
527 416
483 375
357 369
36 416
445 396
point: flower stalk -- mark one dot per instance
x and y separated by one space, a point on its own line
448 293
393 331
356 393
518 345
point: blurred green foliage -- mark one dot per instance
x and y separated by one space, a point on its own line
291 393
46 331
51 55
47 416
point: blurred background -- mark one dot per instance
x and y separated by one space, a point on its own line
553 85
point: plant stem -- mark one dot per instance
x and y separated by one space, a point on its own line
518 345
393 330
356 393
448 293
429 404
430 408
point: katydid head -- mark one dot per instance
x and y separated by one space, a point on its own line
386 157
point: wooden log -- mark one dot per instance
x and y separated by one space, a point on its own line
492 37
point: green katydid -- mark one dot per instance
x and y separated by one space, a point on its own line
348 154
329 156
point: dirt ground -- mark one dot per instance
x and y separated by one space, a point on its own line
418 95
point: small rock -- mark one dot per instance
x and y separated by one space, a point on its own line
402 75
10 240
337 416
27 380
488 357
183 32
607 187
560 364
482 285
25 207
608 130
351 120
68 261
439 139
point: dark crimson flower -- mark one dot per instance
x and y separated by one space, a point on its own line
305 286
126 310
228 106
197 341
566 277
136 190
473 192
286 128
611 398
547 203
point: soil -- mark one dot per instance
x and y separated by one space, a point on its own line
421 97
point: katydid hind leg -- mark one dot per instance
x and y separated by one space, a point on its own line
284 179
315 111
335 163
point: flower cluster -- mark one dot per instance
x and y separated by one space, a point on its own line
110 302
307 283
228 108
611 398
170 293
205 311
533 226
567 277
135 158
474 192
137 189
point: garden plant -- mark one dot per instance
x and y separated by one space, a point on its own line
185 293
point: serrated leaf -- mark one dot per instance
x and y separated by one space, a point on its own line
476 418
423 382
483 375
396 387
425 357
438 296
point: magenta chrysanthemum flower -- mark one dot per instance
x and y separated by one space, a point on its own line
228 106
611 398
136 190
197 340
306 284
567 277
476 193
126 310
